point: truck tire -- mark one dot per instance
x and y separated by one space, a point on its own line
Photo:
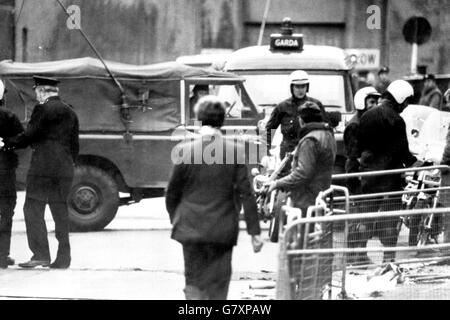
93 200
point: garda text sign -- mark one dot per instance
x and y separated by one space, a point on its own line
364 58
286 42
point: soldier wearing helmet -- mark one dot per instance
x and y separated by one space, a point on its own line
365 99
9 127
286 113
383 145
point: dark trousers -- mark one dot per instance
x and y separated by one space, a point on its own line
386 229
207 270
53 192
7 205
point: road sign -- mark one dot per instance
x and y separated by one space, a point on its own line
417 30
365 59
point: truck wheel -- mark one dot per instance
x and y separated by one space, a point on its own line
93 200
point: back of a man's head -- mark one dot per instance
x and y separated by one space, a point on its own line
310 112
210 111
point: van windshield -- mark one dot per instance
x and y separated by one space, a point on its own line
271 89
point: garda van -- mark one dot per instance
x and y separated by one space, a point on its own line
267 68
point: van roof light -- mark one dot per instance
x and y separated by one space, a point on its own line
287 40
286 27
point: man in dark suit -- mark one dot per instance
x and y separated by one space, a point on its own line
9 126
204 198
53 135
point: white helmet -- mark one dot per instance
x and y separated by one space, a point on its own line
400 90
2 89
299 77
362 94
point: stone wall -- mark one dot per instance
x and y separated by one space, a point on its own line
6 29
133 31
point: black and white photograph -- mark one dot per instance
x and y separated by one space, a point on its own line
247 150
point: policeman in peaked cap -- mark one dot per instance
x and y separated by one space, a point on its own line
45 81
53 134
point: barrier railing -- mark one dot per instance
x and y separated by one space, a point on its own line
338 234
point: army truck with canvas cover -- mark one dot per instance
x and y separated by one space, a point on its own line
127 137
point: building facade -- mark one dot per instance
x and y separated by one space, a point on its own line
149 31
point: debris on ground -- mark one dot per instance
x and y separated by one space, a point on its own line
262 285
369 284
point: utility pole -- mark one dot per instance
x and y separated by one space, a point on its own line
263 23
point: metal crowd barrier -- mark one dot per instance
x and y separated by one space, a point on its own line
319 249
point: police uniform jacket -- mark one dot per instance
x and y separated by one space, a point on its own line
351 145
204 196
312 165
286 115
383 144
52 133
9 126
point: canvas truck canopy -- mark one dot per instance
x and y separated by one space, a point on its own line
152 91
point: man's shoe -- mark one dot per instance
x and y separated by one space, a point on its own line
60 264
34 263
10 261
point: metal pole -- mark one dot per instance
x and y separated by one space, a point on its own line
263 23
414 55
414 49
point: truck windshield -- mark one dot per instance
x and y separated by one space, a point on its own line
271 89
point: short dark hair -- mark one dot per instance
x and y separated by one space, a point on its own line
310 112
210 111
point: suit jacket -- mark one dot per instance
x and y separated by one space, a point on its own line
204 196
52 133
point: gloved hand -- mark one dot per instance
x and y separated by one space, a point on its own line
271 185
417 164
427 164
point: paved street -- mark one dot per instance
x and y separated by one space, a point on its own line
133 258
